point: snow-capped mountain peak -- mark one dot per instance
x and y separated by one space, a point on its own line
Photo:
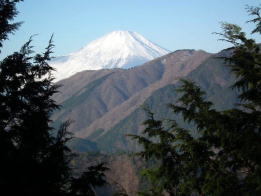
118 49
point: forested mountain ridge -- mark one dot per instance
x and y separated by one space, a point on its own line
211 75
105 104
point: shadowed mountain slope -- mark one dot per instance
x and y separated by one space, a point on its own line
105 105
213 77
98 100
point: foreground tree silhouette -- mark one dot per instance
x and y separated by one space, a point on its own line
226 157
34 159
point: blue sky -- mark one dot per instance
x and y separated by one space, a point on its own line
172 24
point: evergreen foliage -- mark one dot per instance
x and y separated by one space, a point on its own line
35 159
95 176
225 159
7 14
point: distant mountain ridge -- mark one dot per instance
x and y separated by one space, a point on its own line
211 75
98 100
118 49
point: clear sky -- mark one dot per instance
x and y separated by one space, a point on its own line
172 24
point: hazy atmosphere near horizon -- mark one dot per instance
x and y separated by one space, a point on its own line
173 24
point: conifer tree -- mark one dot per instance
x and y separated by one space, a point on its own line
34 157
225 159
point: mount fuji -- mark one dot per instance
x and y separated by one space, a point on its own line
118 49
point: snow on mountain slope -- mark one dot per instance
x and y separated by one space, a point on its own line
118 49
